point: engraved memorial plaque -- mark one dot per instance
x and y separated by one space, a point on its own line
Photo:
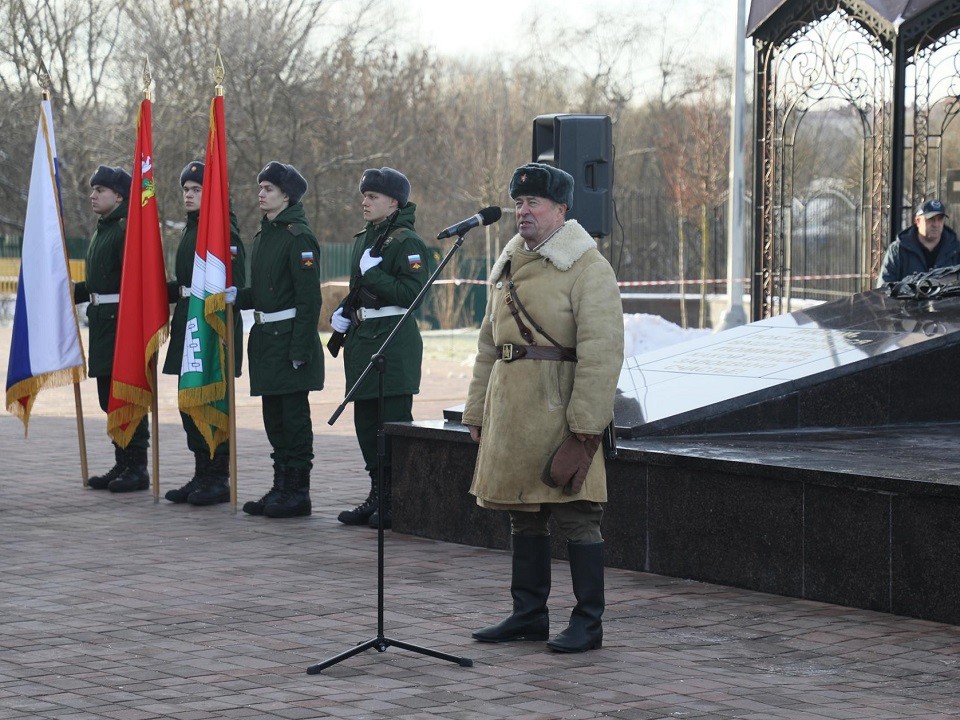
711 376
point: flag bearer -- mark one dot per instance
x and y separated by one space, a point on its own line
210 482
104 265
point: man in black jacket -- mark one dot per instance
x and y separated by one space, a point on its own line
927 244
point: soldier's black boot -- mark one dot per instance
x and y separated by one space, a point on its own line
585 631
255 507
294 501
530 588
385 510
100 482
214 485
134 476
180 495
360 515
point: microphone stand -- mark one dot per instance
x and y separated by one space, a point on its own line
378 362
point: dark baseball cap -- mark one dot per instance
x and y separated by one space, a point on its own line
931 208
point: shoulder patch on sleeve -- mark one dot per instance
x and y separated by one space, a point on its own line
307 260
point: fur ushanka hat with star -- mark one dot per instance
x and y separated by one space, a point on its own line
545 181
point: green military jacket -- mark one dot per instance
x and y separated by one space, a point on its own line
186 252
284 274
104 265
396 281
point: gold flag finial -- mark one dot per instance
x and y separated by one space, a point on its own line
218 74
147 79
43 79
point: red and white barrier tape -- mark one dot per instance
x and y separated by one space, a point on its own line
643 283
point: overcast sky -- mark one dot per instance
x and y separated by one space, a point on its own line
455 27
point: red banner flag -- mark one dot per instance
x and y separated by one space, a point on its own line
203 374
142 322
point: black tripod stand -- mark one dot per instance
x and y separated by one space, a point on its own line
379 363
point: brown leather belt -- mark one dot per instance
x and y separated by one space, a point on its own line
508 352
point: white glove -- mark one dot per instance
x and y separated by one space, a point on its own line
230 295
367 262
340 323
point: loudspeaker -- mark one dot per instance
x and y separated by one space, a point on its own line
583 146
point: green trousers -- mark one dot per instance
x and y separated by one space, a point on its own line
578 521
286 418
396 408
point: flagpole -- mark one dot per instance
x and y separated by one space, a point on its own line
81 435
231 409
218 75
43 79
154 402
155 421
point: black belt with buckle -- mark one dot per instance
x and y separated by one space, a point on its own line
508 352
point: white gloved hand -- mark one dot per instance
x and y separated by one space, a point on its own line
340 323
230 295
367 262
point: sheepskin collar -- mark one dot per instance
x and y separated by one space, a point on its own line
563 249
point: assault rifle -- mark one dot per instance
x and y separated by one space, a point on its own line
354 298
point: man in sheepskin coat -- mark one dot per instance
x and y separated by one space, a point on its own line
549 356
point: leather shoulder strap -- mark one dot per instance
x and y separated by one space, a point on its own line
517 307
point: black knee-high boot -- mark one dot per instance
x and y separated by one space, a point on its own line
585 631
530 588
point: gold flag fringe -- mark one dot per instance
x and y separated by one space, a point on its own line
195 402
139 399
213 305
31 386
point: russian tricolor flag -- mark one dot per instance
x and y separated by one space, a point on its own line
45 350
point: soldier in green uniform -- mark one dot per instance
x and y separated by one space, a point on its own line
210 482
104 265
286 361
389 284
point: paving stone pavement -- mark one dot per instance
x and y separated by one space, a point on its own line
117 606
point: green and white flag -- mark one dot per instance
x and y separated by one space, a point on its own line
203 373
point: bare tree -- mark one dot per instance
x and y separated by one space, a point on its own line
77 41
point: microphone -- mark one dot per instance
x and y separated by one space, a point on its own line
484 217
